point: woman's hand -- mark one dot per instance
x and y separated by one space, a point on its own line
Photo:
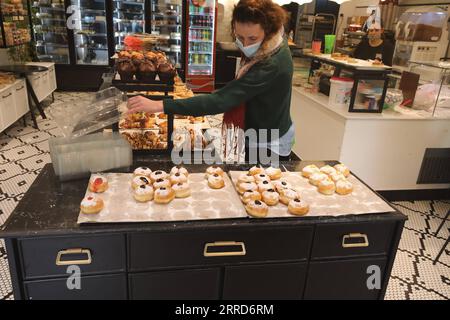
141 104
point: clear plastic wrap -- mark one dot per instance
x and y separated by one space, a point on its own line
98 111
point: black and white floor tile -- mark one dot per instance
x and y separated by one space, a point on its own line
24 151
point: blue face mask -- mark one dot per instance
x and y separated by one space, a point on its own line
248 51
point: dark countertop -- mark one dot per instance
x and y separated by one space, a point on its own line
51 207
22 68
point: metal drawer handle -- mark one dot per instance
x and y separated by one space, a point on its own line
363 244
242 252
18 89
62 253
7 95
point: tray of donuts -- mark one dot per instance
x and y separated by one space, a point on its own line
146 196
324 191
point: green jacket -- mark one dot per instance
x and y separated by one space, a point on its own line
265 89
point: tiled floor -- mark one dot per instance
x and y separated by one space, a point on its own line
24 151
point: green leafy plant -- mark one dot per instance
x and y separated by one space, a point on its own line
22 53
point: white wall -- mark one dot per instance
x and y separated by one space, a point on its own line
350 9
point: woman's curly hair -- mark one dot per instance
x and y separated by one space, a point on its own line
268 14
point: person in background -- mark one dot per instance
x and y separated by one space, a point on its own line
375 46
292 10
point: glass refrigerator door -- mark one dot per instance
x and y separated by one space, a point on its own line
16 23
201 37
90 32
128 17
166 21
50 32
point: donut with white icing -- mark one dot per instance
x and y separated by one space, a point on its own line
91 204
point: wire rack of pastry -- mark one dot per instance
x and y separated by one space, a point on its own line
345 60
146 131
178 195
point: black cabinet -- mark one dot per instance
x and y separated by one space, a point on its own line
275 258
174 249
346 279
190 284
107 287
265 281
310 261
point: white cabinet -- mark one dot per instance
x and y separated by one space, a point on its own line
36 83
13 103
21 98
8 114
43 83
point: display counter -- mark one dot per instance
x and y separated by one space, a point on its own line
387 150
307 257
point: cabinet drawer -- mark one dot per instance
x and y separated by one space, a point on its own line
108 287
270 281
39 256
176 285
341 240
344 279
169 249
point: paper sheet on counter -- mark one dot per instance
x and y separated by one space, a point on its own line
361 201
204 203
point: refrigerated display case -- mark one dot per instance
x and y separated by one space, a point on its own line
433 93
97 29
167 22
50 33
14 22
200 58
128 18
421 34
90 32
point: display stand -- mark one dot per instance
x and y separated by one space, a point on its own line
152 86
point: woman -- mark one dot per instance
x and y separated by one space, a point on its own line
260 96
